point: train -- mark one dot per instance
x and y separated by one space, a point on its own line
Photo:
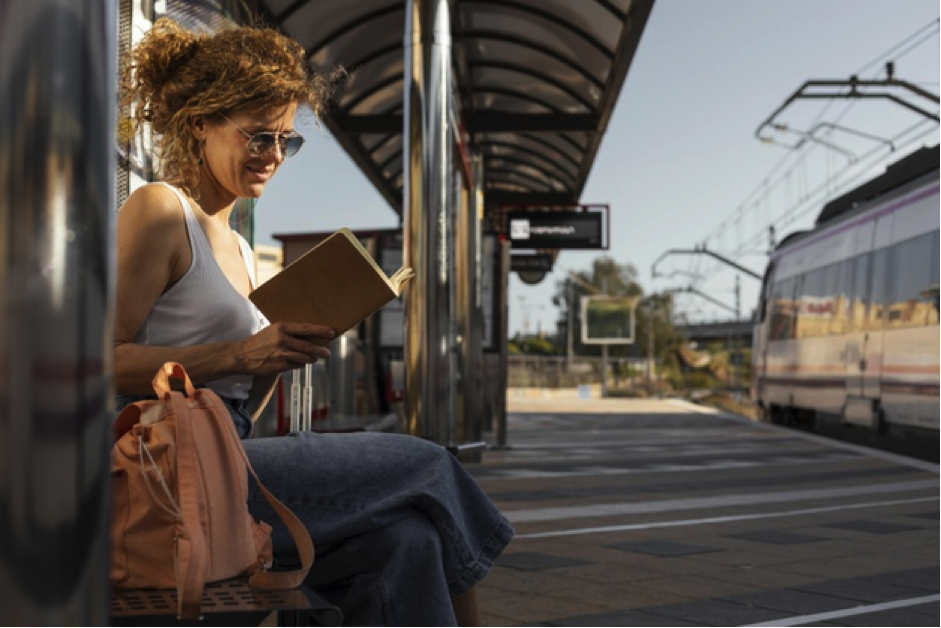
846 333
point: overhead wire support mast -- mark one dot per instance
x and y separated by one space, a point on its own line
707 297
854 84
810 135
703 251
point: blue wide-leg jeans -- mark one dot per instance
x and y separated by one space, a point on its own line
399 524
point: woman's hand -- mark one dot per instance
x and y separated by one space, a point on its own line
282 347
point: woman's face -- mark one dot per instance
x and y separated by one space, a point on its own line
226 158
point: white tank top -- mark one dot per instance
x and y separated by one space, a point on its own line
204 306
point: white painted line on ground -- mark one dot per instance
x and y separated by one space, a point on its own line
710 520
916 463
654 467
688 405
805 620
716 501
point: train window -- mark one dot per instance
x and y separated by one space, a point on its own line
911 297
831 283
933 295
859 294
934 260
839 324
816 303
881 272
783 310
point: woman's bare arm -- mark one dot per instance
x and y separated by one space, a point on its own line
152 254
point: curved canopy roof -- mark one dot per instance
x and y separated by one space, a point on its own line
537 82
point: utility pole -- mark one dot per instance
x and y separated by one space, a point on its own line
733 354
604 351
570 326
650 345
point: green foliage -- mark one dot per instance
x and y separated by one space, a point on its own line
605 277
532 345
654 335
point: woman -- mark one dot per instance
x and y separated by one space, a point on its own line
403 532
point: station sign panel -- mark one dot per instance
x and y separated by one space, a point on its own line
556 230
534 262
608 320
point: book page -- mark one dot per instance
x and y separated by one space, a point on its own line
400 278
397 280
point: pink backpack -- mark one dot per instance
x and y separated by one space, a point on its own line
180 482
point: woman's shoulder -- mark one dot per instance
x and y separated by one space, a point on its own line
152 214
152 205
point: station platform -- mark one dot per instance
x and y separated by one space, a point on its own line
663 513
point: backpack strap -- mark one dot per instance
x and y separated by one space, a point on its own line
263 579
191 553
161 381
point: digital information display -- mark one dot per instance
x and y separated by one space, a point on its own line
556 230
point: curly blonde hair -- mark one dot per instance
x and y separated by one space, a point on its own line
174 74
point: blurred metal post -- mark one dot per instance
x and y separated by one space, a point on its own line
428 404
467 237
650 345
501 320
570 323
341 370
57 77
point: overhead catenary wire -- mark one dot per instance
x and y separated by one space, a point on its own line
794 165
762 186
707 269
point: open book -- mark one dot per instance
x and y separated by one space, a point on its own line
336 283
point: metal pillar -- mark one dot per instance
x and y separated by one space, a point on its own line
57 78
476 323
501 316
428 404
467 273
341 372
570 324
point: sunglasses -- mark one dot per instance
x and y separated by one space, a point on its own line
260 143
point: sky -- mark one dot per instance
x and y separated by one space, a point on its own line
681 165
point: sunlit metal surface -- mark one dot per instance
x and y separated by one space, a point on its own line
341 371
467 271
429 405
56 198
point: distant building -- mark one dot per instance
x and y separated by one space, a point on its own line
268 261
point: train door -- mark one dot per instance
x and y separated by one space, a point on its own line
864 375
882 267
857 272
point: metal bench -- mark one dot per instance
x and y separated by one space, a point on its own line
227 603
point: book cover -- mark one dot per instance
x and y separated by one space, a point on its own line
336 283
